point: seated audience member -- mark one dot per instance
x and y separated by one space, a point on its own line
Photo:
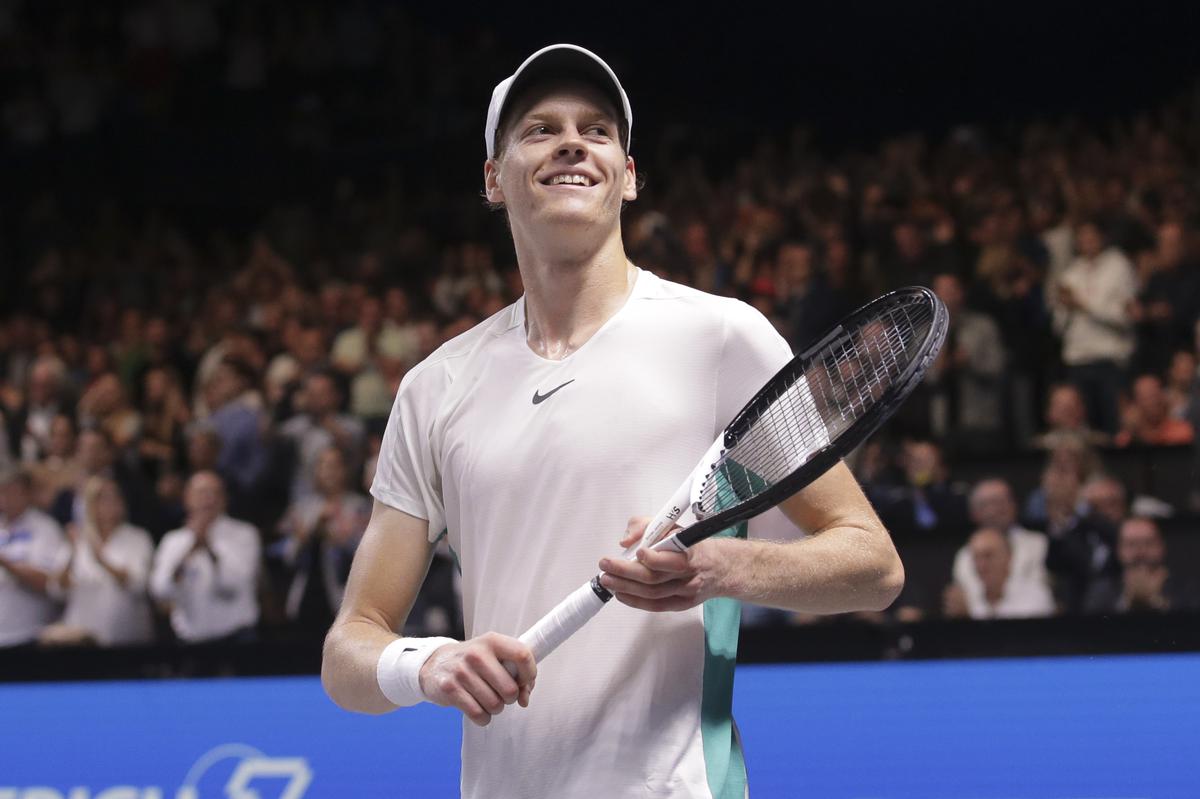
106 405
1146 583
1000 597
1106 497
45 398
321 425
1070 456
1181 377
238 421
206 573
1081 553
1066 421
58 470
992 506
927 503
31 545
97 457
1147 419
104 578
323 531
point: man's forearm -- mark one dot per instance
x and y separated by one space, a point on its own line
352 650
30 578
841 570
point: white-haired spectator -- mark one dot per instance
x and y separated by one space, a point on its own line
206 573
1001 597
104 578
992 505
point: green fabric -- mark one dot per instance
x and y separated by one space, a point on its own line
723 762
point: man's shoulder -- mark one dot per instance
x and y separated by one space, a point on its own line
235 531
42 523
445 363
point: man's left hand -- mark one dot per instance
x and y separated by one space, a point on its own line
659 581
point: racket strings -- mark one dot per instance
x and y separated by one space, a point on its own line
813 405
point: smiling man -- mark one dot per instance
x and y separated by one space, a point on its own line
527 442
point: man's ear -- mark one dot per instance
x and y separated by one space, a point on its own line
491 182
629 191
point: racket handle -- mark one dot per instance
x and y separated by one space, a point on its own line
565 619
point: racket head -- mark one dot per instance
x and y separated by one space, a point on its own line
857 375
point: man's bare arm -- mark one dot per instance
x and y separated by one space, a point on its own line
388 570
847 563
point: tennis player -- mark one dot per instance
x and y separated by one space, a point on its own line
527 442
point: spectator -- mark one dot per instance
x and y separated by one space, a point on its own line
96 457
1147 419
205 574
1080 556
1146 583
1091 312
164 419
323 531
993 507
45 398
58 469
1106 497
808 304
103 580
1169 302
318 427
238 421
928 503
31 545
1066 421
968 373
374 335
1000 597
1183 373
106 405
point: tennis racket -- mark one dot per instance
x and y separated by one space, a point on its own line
815 410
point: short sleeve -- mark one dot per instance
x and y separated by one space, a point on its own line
753 352
406 476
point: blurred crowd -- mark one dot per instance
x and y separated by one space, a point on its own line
191 410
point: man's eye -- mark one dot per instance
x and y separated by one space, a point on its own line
599 130
539 130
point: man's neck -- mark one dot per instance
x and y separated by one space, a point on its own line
570 292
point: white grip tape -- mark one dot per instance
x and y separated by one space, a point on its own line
562 622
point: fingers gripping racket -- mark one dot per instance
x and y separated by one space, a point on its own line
815 410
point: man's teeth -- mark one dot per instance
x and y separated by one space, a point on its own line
581 180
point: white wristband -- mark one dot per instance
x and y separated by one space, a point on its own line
399 669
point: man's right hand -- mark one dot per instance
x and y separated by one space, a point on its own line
471 676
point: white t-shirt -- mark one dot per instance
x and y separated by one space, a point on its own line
211 599
533 467
1027 572
32 539
115 615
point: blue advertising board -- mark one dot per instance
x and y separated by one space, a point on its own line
1121 727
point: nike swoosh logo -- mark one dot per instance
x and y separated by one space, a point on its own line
537 398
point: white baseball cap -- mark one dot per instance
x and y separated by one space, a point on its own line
567 58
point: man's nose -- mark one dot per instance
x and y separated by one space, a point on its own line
572 145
